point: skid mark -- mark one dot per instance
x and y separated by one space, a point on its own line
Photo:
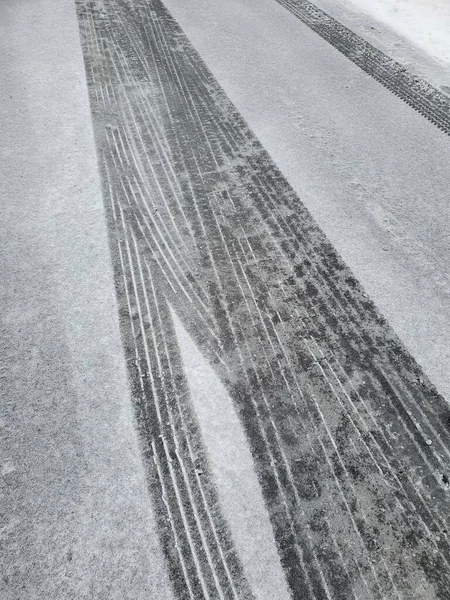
213 250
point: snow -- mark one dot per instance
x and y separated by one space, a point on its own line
75 519
426 23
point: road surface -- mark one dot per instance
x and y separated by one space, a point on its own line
244 395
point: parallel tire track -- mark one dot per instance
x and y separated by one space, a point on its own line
194 535
350 442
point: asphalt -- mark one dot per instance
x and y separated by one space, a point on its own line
225 311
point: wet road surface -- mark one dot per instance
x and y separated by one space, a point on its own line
264 380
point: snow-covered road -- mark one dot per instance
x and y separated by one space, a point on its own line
278 234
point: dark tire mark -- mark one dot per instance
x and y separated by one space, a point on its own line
349 441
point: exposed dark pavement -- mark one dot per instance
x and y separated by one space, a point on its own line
291 440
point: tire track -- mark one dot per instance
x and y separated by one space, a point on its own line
349 440
190 505
422 415
427 100
343 311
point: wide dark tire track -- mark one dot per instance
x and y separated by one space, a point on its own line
351 443
430 102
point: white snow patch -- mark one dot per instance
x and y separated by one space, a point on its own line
233 470
426 23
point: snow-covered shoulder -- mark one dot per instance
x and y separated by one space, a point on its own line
425 23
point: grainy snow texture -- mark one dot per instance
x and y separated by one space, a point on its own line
274 439
424 22
75 521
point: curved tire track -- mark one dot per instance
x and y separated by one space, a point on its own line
351 443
